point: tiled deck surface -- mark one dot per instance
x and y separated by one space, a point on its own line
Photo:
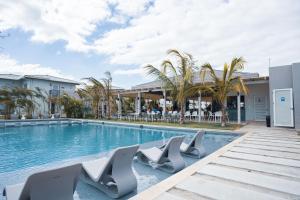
262 164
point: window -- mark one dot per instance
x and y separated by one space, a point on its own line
55 87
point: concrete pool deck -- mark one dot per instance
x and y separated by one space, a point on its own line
264 163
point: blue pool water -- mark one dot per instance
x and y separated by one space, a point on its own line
28 146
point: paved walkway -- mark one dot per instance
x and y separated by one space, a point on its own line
262 164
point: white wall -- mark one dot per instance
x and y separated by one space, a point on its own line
261 90
46 85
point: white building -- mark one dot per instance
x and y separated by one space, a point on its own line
50 85
276 96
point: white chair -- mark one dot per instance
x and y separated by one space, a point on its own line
166 158
202 115
187 114
218 116
113 174
194 148
211 116
52 184
195 115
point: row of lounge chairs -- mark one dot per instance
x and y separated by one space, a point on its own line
52 116
113 174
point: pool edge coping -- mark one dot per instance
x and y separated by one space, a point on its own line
161 126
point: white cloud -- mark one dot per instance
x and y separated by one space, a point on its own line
212 30
128 71
52 20
130 7
10 66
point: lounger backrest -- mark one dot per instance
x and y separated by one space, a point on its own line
197 139
172 148
120 161
58 184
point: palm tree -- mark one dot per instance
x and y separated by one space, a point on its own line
92 93
7 99
100 90
176 78
107 92
227 83
44 96
18 98
24 100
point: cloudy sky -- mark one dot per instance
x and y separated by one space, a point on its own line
80 38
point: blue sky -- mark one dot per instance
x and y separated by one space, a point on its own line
77 38
75 65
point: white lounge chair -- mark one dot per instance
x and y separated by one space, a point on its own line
194 147
167 157
218 116
187 114
194 115
112 175
57 184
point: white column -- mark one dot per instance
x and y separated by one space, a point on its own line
199 107
165 104
119 105
239 108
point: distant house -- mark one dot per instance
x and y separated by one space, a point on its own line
50 86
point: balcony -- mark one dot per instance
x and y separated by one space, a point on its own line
54 93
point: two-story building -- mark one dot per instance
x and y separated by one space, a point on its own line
50 86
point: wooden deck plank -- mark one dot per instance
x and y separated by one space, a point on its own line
252 178
276 139
258 146
222 191
272 141
278 154
275 133
277 144
260 166
186 194
276 136
260 158
168 196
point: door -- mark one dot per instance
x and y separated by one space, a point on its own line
260 108
283 110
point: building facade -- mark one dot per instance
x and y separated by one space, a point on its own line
276 95
284 89
50 86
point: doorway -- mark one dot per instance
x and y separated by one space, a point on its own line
283 109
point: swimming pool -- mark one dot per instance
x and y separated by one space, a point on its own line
25 150
28 146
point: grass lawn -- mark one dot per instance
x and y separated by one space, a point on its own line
203 125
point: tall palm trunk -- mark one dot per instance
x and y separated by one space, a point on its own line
223 118
97 110
108 108
181 121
